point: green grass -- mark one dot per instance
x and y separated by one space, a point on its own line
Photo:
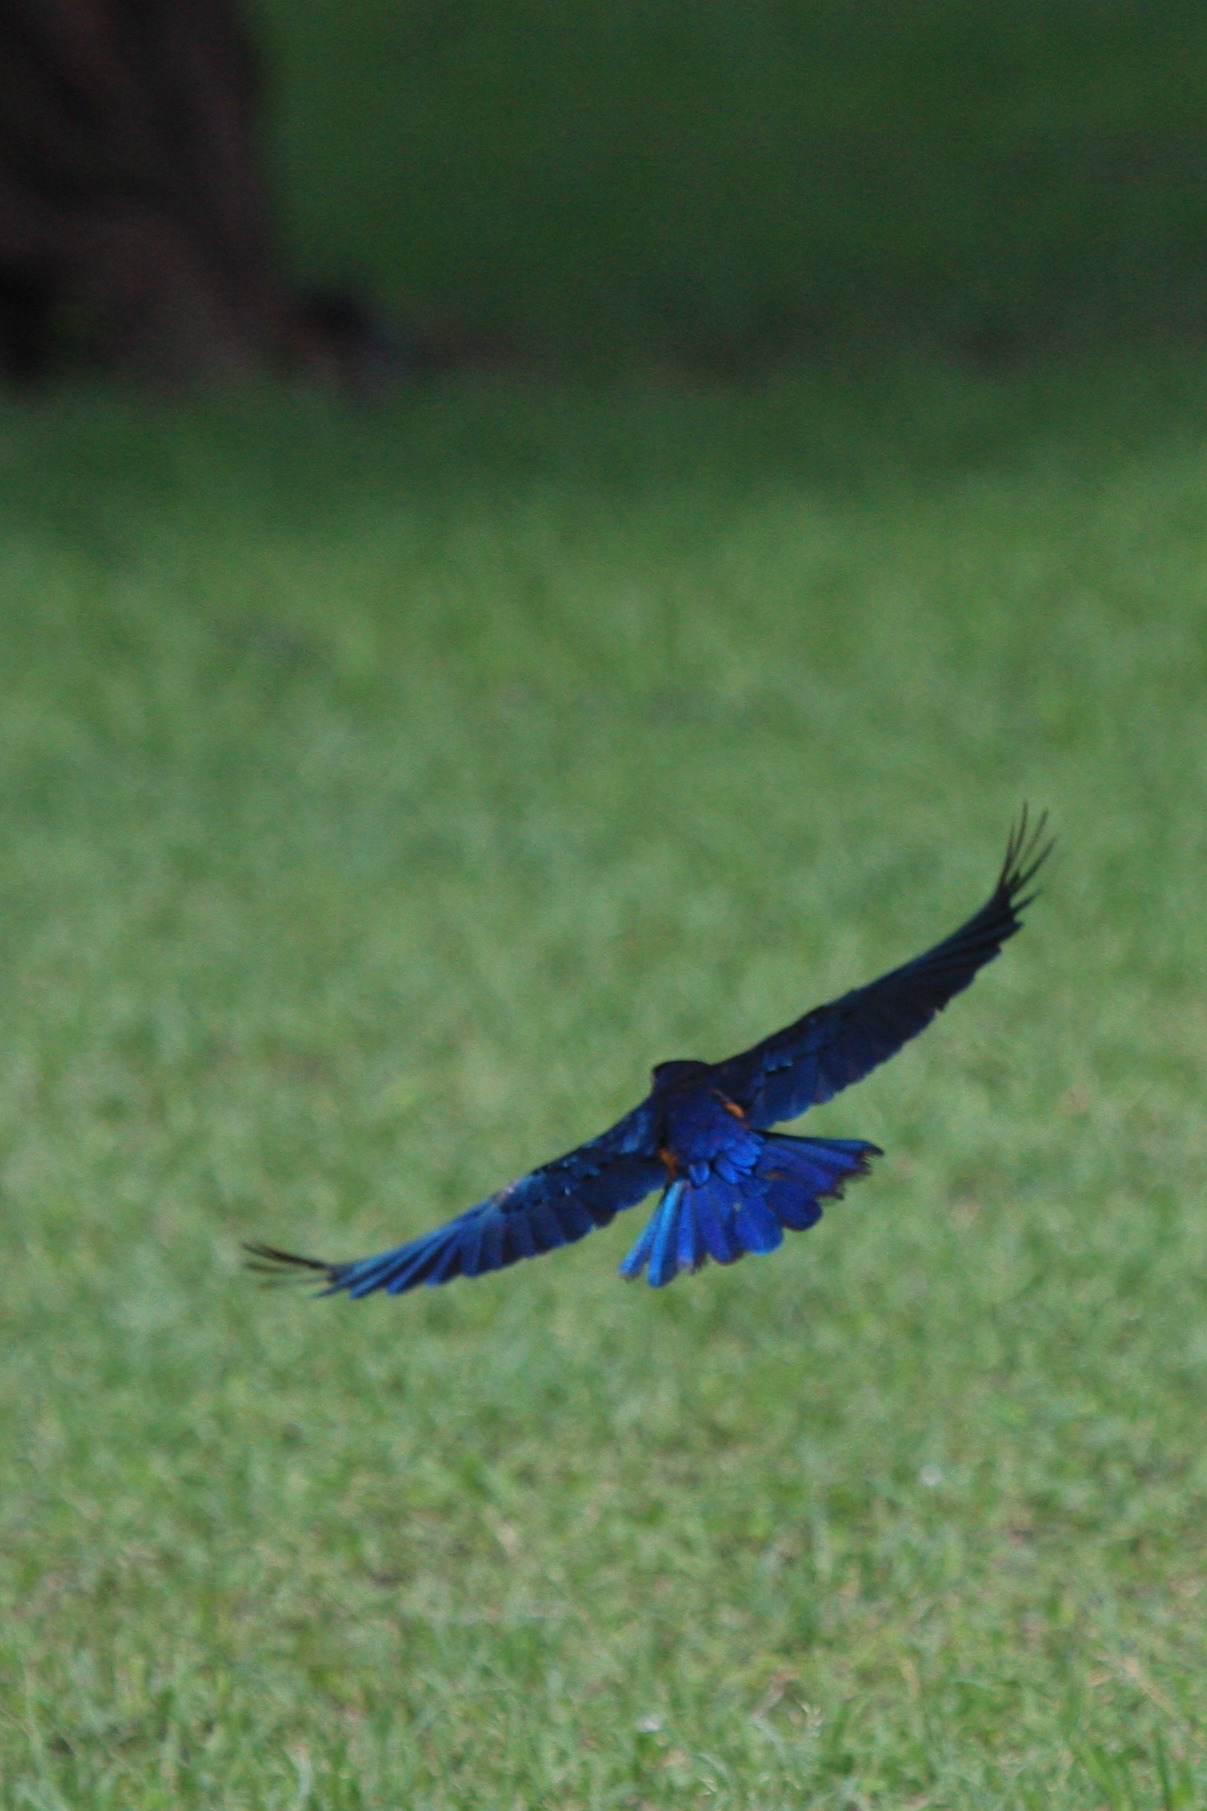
380 796
721 181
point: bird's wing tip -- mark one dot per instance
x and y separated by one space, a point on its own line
1027 849
275 1266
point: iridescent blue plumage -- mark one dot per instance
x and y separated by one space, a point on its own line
730 1186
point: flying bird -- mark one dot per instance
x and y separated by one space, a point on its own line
730 1185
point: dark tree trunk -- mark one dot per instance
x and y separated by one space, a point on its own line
135 230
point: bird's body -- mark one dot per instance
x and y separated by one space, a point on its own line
730 1185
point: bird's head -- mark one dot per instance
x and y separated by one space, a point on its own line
665 1075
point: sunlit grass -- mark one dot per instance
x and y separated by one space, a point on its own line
380 798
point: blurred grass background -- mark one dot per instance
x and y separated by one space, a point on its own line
726 184
380 795
382 792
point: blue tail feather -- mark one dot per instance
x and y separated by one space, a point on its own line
711 1215
725 1216
636 1260
663 1261
756 1226
690 1249
795 1211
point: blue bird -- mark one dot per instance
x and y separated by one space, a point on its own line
729 1184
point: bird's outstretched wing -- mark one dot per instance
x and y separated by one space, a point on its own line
731 1188
837 1044
554 1205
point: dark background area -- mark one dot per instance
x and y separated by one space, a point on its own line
735 180
356 188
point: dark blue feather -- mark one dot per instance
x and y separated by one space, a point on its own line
711 1216
832 1046
725 1220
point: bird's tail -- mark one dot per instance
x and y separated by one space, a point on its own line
724 1220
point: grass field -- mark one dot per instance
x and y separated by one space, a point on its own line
380 796
716 183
